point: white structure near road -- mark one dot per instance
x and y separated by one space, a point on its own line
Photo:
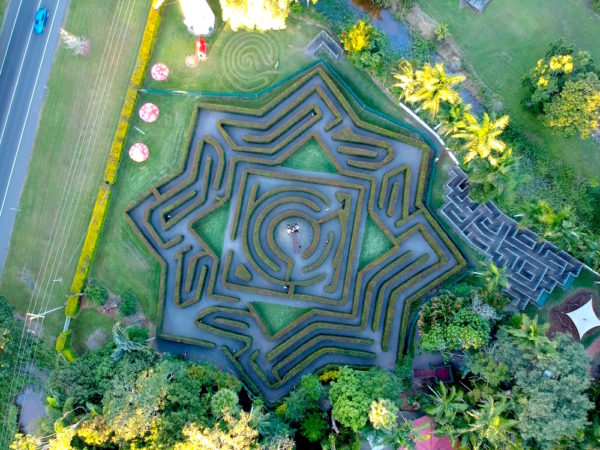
198 17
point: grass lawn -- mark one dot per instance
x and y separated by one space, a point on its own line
310 157
505 41
276 317
87 322
122 260
3 5
57 146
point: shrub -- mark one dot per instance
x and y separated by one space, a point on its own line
441 31
72 307
128 304
367 48
314 427
138 334
224 402
96 293
63 341
421 49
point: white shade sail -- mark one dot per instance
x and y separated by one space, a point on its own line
584 318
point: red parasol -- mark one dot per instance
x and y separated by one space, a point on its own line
149 112
139 152
159 72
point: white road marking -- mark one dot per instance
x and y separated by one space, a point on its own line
11 35
18 77
28 106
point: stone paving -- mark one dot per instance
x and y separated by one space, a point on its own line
534 266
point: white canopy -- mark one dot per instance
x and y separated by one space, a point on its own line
584 318
198 17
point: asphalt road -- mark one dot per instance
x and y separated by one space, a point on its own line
25 61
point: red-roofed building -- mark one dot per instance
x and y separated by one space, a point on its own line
434 442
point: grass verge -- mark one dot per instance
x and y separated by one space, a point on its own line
70 91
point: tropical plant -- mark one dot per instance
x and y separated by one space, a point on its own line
448 403
383 414
452 118
314 427
123 344
495 278
532 336
481 138
495 183
441 31
489 427
436 87
364 45
407 81
96 293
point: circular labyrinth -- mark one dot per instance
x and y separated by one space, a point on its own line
248 61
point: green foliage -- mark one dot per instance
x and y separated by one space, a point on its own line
224 402
383 414
564 88
137 334
304 398
487 369
96 293
123 344
577 108
128 305
550 379
448 324
447 405
314 427
441 31
421 50
354 391
364 45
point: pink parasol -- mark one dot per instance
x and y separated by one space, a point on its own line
139 152
148 112
159 72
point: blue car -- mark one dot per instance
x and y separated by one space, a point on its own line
39 23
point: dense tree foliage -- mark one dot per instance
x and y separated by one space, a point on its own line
564 87
96 292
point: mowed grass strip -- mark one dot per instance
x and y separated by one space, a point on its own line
122 260
70 90
506 40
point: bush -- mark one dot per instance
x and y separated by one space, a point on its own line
96 293
128 304
138 334
63 341
72 307
421 50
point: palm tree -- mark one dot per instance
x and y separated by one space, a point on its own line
447 403
452 119
532 336
495 277
481 138
489 428
434 86
407 81
123 344
488 182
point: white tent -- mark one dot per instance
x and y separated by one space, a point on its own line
584 318
198 17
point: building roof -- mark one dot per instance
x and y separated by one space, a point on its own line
479 5
433 442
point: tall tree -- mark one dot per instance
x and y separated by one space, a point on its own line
448 403
489 427
436 87
577 108
495 277
481 138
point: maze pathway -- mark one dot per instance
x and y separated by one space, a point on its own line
534 266
294 236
